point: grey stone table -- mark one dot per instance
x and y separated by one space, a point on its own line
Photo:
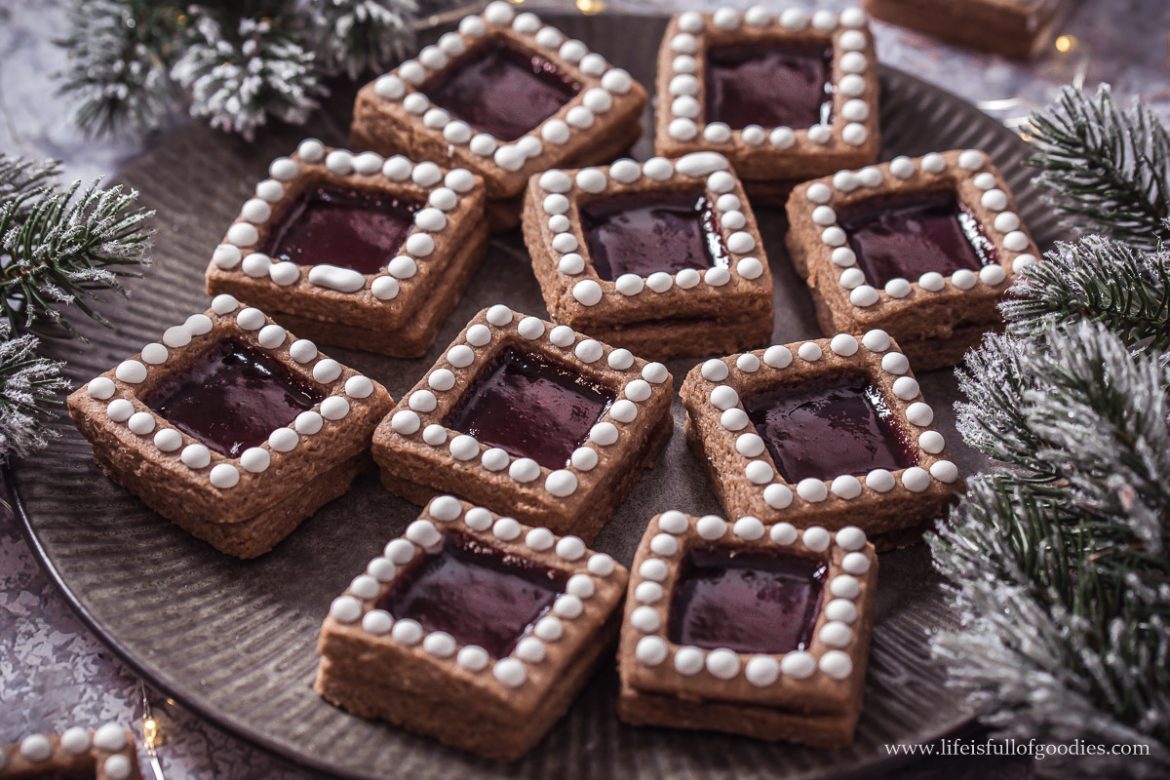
53 673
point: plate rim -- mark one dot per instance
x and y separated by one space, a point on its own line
157 678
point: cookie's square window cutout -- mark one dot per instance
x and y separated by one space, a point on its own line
829 426
478 594
646 232
232 397
906 235
531 406
359 229
502 89
769 83
748 602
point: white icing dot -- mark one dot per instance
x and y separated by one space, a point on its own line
810 351
177 336
407 632
798 664
473 658
689 661
836 664
423 533
758 472
915 479
648 593
530 649
119 410
584 459
283 169
326 370
539 539
604 434
841 610
168 440
100 388
902 167
711 527
435 435
439 644
561 483
524 470
74 741
845 586
587 292
225 475
141 423
549 628
302 350
934 163
195 456
589 351
843 344
723 663
971 160
783 534
377 621
131 371
664 545
734 419
283 439
855 563
880 480
895 363
920 414
846 486
359 387
944 471
510 672
650 650
762 670
601 564
653 569
812 490
399 551
622 359
749 528
749 445
405 422
568 606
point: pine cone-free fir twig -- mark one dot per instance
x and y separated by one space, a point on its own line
62 246
1101 280
119 56
358 35
1059 559
29 387
241 73
1107 167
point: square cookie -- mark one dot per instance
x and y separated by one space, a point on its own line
663 257
506 96
833 432
785 96
107 753
355 250
231 427
1013 28
748 629
471 628
530 419
922 248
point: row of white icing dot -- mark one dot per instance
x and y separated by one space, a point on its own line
423 535
429 222
749 445
761 670
684 87
863 295
402 83
559 482
76 741
270 336
721 186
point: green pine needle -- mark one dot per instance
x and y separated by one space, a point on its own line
1107 168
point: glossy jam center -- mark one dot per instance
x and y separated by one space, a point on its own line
828 427
358 229
502 91
747 602
908 235
530 406
232 397
475 593
640 233
769 84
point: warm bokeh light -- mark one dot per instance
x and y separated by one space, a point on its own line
1065 43
590 6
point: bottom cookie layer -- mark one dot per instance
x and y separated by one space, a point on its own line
258 534
419 485
640 708
667 339
355 678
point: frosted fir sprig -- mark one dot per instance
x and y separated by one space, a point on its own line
60 247
1107 168
238 80
1058 557
356 36
1098 279
29 389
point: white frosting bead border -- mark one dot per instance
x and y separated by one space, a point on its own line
557 194
976 184
718 384
594 585
680 119
418 416
449 197
343 390
108 747
648 655
602 85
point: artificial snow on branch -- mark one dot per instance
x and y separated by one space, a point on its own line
1107 167
29 387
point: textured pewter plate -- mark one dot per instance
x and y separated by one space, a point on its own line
235 641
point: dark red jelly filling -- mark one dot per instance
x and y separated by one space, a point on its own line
640 233
828 427
232 397
769 84
351 228
905 236
749 602
531 406
476 593
502 90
